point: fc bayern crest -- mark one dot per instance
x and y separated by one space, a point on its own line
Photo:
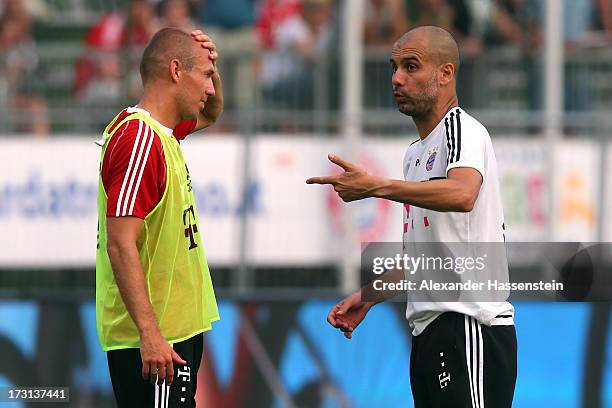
430 161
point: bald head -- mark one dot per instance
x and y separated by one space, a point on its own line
166 45
437 44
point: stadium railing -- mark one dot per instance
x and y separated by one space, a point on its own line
502 84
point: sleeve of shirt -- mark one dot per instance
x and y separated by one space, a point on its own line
184 128
291 32
465 144
133 171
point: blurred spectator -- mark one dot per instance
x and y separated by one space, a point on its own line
385 22
604 20
230 23
19 60
507 24
289 70
176 13
456 17
452 15
577 21
227 14
578 26
271 14
97 73
113 46
141 24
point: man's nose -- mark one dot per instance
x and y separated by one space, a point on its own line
396 79
210 90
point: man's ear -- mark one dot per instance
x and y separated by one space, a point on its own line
447 73
176 69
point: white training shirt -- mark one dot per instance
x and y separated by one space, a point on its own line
458 140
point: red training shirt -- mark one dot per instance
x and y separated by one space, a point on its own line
134 167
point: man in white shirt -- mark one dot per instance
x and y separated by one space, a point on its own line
463 352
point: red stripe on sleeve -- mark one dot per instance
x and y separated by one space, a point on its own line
133 171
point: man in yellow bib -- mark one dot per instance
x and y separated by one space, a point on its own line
154 295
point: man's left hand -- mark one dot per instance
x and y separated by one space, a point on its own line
353 184
207 43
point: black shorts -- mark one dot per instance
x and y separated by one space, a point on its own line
132 391
459 363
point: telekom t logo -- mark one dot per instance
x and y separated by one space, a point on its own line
192 228
184 373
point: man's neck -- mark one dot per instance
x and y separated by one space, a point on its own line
427 123
160 108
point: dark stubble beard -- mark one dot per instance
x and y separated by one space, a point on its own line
423 106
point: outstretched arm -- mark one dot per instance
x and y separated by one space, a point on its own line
456 193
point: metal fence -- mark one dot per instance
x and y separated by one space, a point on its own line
504 85
79 12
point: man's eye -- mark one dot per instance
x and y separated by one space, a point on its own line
411 67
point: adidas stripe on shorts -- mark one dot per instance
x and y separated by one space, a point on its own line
132 391
459 363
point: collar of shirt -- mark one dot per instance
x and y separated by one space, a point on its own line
137 109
